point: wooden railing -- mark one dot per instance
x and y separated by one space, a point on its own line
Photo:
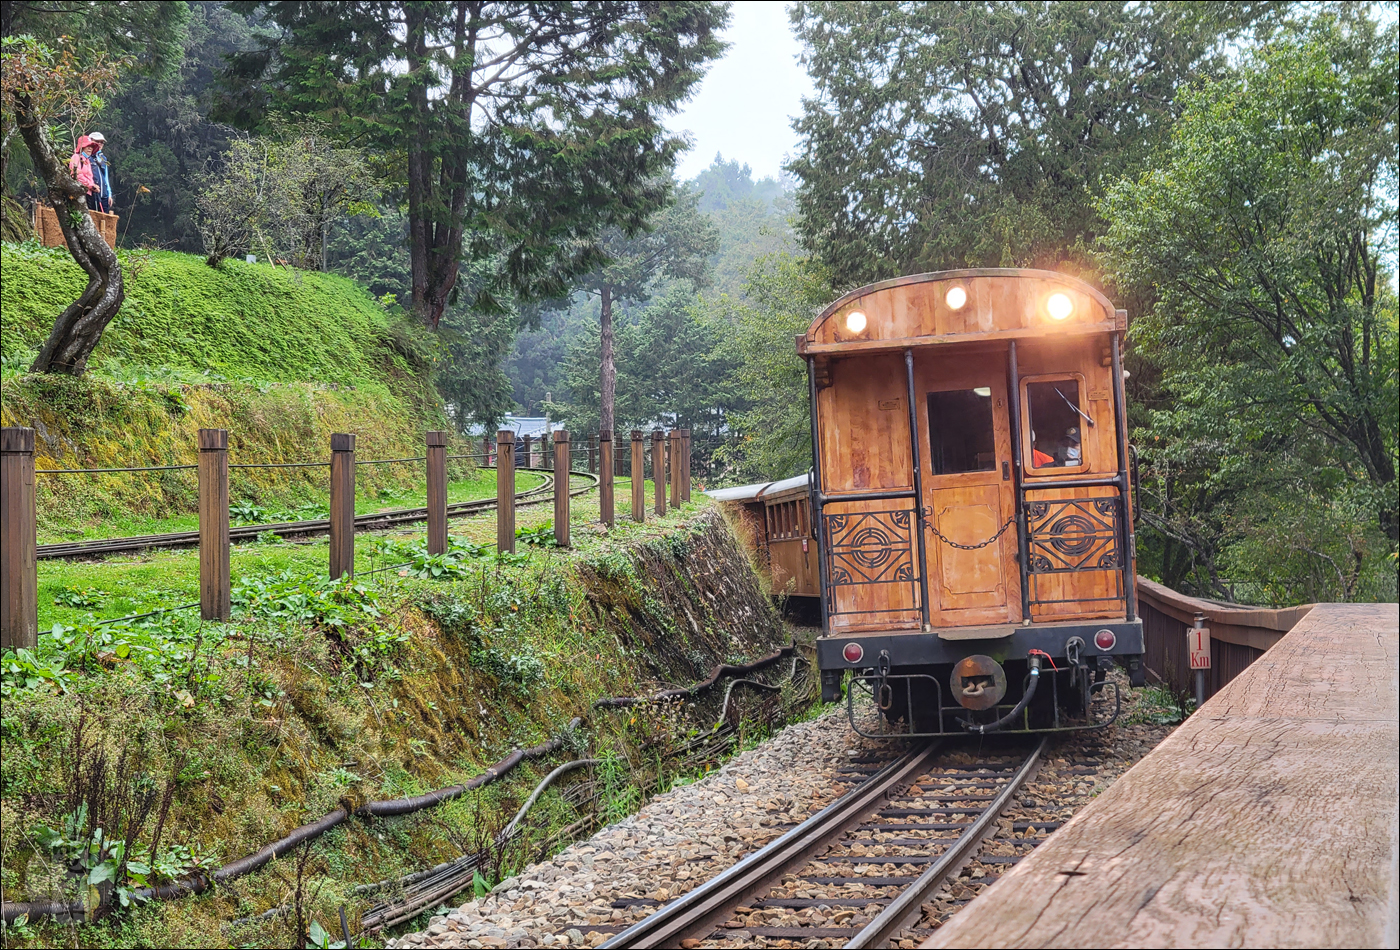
1238 635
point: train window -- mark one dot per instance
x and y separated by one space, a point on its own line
786 520
960 431
1056 423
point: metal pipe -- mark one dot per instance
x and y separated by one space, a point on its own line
1110 481
1127 542
1023 545
919 519
1016 710
1200 674
818 520
870 495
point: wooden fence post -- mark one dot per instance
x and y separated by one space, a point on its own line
342 505
674 454
529 452
19 572
593 452
561 487
606 503
639 477
505 491
486 450
214 581
685 465
437 492
658 469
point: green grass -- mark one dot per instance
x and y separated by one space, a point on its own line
185 321
480 484
125 584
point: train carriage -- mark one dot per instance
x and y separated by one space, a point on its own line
970 503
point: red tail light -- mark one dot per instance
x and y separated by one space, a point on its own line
1105 639
853 652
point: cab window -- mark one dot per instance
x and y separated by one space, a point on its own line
960 432
1056 423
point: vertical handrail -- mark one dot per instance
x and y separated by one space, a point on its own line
815 493
1127 542
19 572
437 491
505 491
919 517
342 553
214 581
1023 543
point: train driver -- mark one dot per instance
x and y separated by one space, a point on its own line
1071 453
1039 459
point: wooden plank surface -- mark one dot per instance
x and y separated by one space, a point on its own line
1268 819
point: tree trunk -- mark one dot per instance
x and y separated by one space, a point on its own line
607 389
78 329
437 181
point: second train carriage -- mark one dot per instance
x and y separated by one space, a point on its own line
970 503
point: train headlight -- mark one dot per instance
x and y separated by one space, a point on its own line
855 321
1060 306
853 652
956 298
1105 639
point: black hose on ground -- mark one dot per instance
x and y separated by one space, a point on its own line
982 729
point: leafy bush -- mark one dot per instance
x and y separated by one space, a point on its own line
540 537
308 598
245 512
81 598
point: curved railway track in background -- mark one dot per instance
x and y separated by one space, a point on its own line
918 811
369 522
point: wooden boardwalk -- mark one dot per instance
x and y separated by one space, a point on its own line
1268 819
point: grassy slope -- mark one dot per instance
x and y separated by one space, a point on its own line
185 320
280 358
278 720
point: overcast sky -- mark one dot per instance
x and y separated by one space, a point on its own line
746 101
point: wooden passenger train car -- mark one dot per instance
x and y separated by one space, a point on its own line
970 502
781 520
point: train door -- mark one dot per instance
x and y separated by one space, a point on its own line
968 494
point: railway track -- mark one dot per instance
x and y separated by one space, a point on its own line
370 522
867 863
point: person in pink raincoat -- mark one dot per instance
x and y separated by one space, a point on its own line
80 165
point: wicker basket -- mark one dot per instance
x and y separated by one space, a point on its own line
51 235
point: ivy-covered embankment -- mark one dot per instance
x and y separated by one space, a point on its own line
191 745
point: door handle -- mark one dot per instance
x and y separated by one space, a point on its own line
1006 471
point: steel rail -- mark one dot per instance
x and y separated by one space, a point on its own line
699 912
905 909
175 539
